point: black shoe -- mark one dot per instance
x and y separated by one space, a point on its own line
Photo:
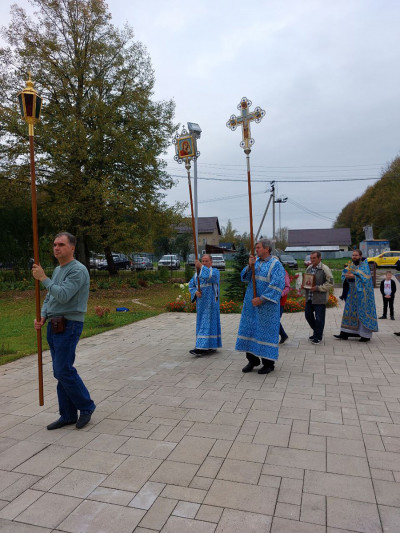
364 339
342 336
196 352
266 369
382 317
83 419
248 368
316 341
397 333
60 423
283 339
210 351
311 338
392 318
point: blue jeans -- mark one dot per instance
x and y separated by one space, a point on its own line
282 332
315 316
72 393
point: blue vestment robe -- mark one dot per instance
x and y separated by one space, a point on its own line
259 326
208 324
359 312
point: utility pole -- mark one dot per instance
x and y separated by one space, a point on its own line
271 190
273 217
281 200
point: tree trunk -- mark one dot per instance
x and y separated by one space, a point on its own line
112 269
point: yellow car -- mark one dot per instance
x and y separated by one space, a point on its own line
386 259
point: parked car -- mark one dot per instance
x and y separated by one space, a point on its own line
96 259
169 261
218 261
288 261
190 259
385 259
141 263
307 261
121 261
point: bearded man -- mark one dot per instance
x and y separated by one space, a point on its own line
359 315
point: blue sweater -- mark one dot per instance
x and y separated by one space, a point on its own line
67 292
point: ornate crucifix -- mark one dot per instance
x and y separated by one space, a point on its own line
244 119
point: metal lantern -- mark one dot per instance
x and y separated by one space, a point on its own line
30 104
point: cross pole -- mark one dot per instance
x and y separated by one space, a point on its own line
244 119
186 151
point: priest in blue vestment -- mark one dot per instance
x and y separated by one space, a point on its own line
359 315
258 333
208 324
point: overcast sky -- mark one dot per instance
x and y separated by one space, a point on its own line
326 73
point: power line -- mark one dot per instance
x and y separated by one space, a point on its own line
309 211
218 165
294 180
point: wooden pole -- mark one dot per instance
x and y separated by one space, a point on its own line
247 152
37 262
187 166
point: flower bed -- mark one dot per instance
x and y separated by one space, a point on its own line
295 303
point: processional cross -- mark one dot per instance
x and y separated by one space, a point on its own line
244 119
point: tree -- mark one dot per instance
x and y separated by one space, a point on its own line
101 134
228 233
282 238
379 206
235 289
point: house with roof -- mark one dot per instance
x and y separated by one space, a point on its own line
209 231
331 242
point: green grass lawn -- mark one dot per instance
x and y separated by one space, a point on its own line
17 312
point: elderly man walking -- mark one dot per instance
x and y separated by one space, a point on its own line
317 296
208 324
65 306
258 333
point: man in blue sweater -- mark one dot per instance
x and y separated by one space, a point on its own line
65 306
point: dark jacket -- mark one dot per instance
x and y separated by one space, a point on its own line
382 288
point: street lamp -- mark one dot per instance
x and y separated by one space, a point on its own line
30 105
195 130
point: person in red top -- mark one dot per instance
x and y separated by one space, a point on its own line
285 292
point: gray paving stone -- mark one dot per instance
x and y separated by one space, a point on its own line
390 517
283 525
313 509
132 474
238 521
242 497
296 458
340 486
174 473
353 515
7 526
93 517
49 510
176 524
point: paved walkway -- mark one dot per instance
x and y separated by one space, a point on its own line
181 444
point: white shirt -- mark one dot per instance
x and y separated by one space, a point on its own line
388 287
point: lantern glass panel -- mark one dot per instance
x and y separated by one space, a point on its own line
38 107
21 105
29 104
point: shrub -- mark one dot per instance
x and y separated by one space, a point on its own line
230 307
189 271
